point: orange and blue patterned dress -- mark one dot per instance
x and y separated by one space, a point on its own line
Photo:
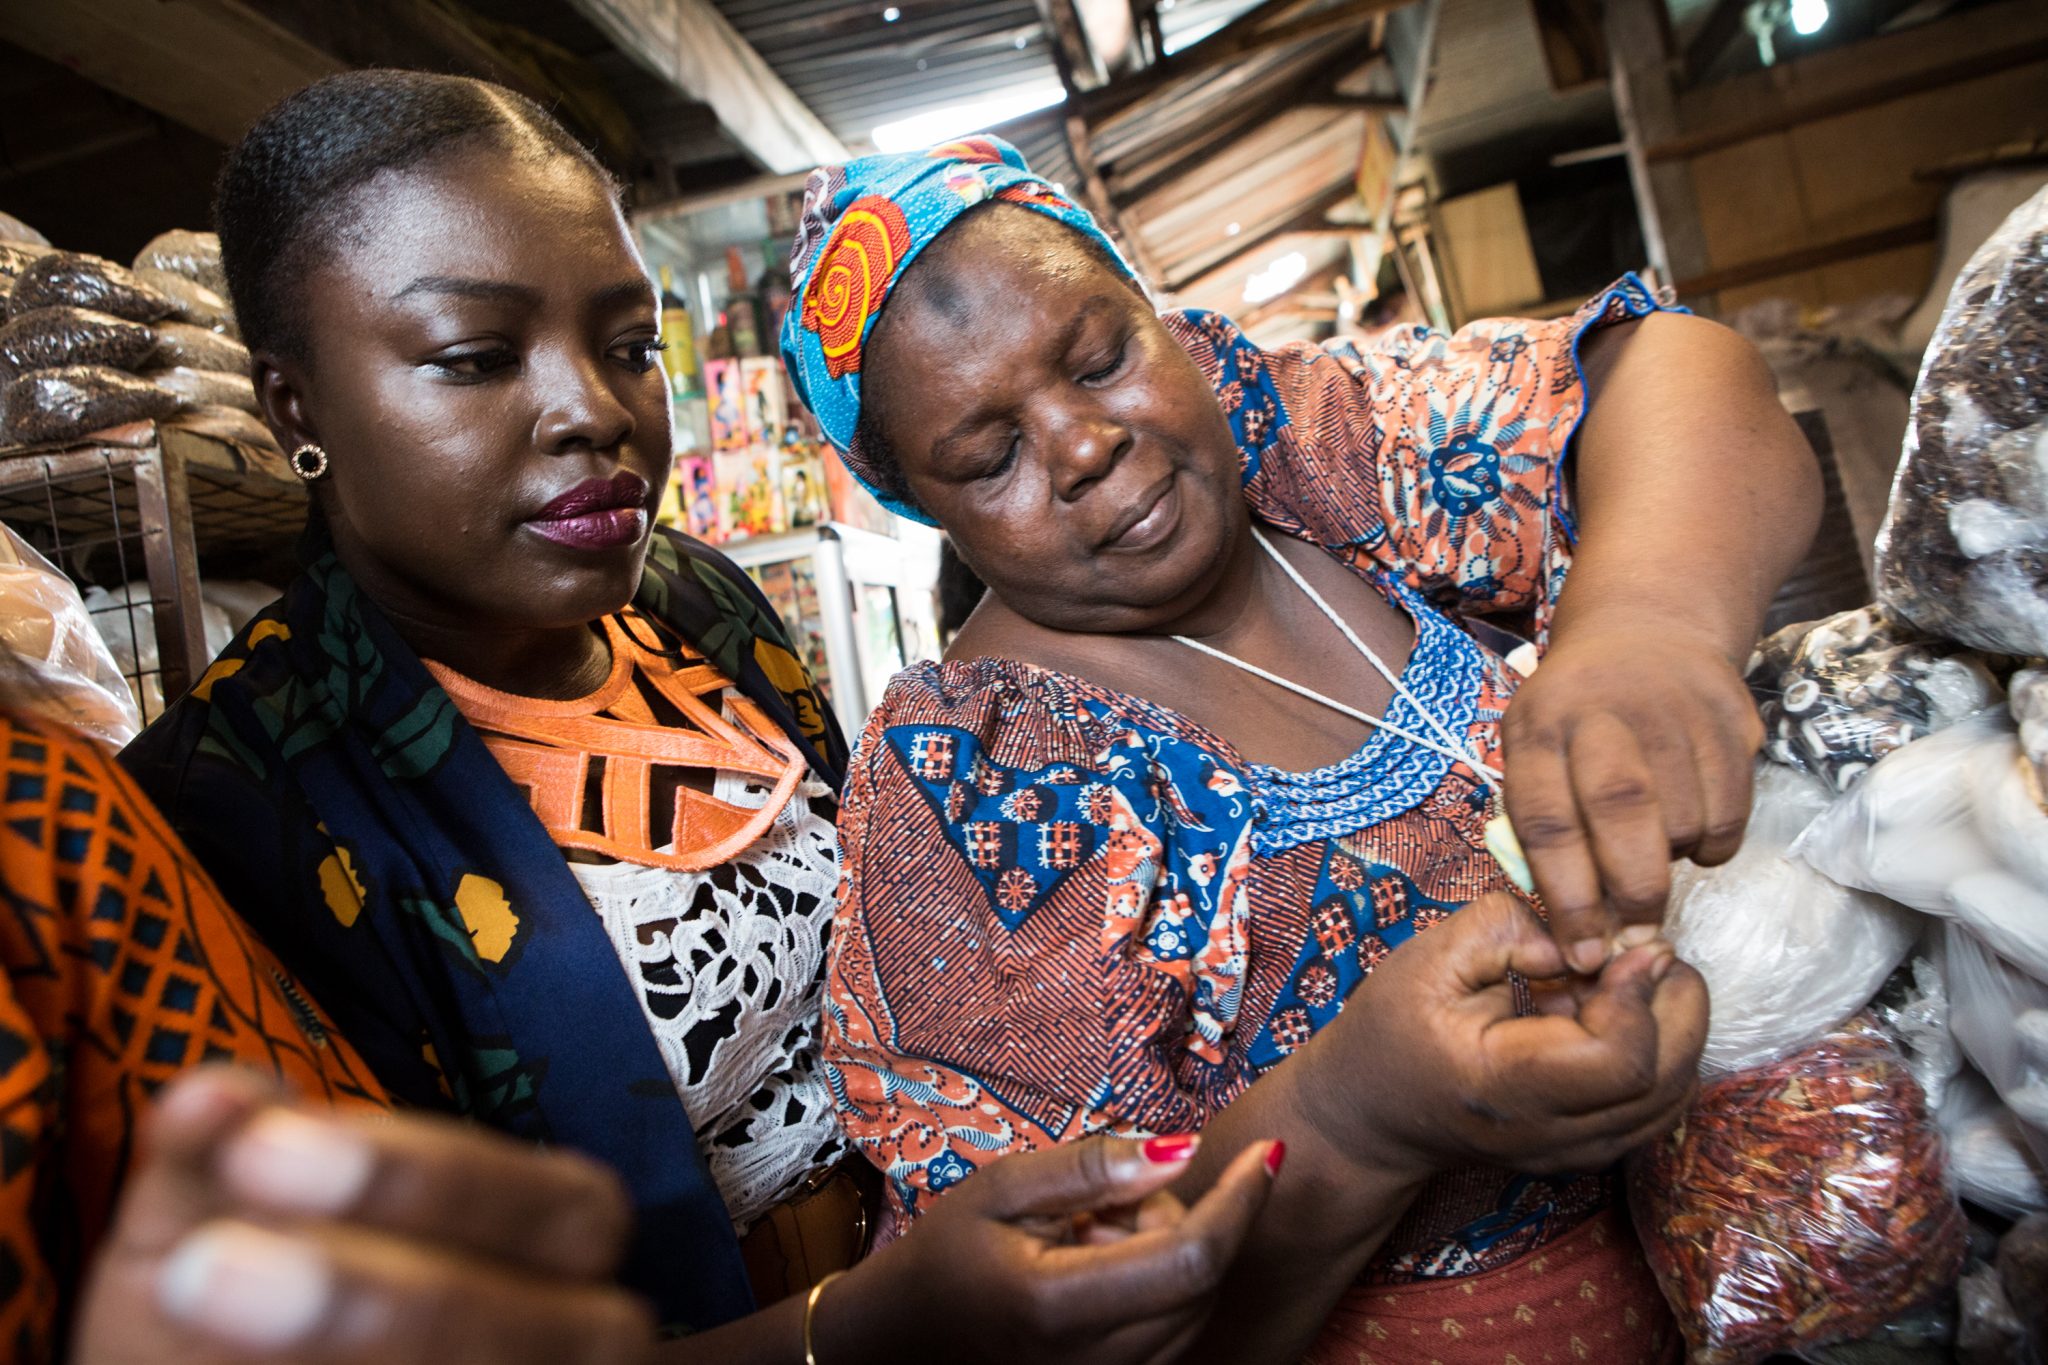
1067 910
124 967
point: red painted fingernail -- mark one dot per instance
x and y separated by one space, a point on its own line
1275 1154
1172 1149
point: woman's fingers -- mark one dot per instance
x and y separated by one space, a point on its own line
439 1182
172 1189
1491 938
335 1295
1726 756
1158 1271
1605 1055
1620 802
1545 814
1078 1177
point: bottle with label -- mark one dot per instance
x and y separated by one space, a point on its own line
679 361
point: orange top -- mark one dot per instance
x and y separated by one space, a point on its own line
588 765
123 968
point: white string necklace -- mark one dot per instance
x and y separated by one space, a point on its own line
1500 835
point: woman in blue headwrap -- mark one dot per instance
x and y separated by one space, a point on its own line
1200 825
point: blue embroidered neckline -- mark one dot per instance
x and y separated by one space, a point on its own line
1388 776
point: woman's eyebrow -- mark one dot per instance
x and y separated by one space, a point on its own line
624 292
458 286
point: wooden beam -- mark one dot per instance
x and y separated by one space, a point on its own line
1723 25
1070 45
1812 257
689 44
1310 294
1370 104
1197 147
1790 113
1645 104
1094 190
1264 27
1315 217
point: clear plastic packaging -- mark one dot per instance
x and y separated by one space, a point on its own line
195 255
2030 712
180 344
192 302
1838 694
12 229
72 676
73 279
1964 549
16 258
46 338
2000 1019
1914 1010
48 406
1787 954
1800 1203
1951 824
1994 1165
206 388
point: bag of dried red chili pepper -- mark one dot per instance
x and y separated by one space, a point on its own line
1800 1203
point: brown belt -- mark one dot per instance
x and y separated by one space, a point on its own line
820 1229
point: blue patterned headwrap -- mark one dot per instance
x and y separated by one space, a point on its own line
863 224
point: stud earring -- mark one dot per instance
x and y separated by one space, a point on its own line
309 462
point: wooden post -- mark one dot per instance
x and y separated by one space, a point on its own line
1646 105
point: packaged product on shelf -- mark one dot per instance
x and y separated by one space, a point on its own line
203 388
192 302
1800 1203
2000 1017
239 599
64 404
196 348
1964 549
232 424
1914 1009
12 229
1838 694
44 624
1787 954
45 338
195 255
2030 711
1988 1151
70 278
1953 825
16 258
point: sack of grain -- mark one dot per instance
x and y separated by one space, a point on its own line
46 338
207 388
80 281
64 404
195 348
192 302
195 255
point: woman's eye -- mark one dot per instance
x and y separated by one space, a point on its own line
476 364
1002 464
642 356
1116 362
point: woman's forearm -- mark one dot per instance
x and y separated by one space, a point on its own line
773 1336
1697 494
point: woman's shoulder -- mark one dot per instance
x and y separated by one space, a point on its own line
989 696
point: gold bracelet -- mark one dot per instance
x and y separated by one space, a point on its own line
811 1312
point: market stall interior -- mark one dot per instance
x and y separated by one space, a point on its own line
1856 185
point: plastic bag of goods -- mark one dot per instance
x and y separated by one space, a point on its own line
126 620
48 406
1964 549
72 676
1787 954
1954 825
47 338
1988 1150
192 302
15 259
1803 1202
1999 1015
72 279
12 229
1913 1007
195 348
195 255
204 388
1838 694
2030 712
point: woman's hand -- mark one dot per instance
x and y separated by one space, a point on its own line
1628 748
1452 1077
255 1230
1076 1255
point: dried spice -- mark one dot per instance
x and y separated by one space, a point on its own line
70 278
1964 550
195 348
207 388
192 302
47 406
1801 1203
49 337
195 255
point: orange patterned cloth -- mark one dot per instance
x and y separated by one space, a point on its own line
124 967
1587 1296
555 751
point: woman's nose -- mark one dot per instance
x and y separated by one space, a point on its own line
579 409
1086 449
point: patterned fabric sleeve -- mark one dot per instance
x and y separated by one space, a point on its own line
1436 456
1042 928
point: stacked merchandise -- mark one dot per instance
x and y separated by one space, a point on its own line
88 346
1878 951
764 472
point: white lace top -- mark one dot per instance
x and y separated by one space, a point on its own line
730 965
